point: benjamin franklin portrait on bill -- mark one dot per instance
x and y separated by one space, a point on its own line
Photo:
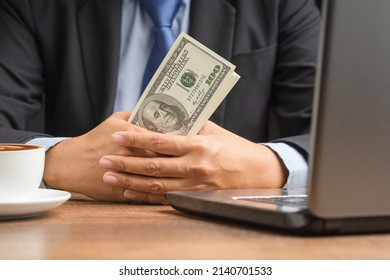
164 114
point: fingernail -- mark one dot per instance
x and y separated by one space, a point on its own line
118 138
110 179
132 195
106 163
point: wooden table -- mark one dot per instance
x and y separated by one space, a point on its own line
84 229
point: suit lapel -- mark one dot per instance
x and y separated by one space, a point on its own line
216 31
99 30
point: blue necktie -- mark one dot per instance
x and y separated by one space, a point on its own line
162 13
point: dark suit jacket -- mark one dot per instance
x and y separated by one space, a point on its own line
65 54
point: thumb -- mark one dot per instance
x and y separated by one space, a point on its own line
125 115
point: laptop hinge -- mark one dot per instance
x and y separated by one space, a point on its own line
333 225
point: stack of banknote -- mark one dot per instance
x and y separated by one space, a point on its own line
186 89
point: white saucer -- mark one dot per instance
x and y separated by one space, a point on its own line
42 200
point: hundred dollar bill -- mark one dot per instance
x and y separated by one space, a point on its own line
186 89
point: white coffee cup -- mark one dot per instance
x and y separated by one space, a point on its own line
21 171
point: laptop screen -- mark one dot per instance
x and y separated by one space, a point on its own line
349 164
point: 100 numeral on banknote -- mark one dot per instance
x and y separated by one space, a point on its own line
185 90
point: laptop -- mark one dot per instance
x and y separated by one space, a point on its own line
349 166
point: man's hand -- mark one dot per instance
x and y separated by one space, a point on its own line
73 165
214 159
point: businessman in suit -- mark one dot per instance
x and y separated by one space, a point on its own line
84 59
